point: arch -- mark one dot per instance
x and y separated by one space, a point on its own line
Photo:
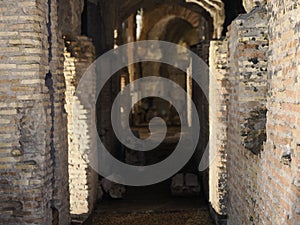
217 12
171 29
214 8
164 14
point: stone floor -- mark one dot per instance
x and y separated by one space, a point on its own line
152 205
199 217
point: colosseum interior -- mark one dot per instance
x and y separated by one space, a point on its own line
249 111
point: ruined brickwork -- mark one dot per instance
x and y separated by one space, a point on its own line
33 122
248 45
282 152
58 117
254 111
79 54
218 96
263 152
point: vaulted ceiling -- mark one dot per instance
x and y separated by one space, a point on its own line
212 8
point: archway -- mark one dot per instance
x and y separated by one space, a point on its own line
186 28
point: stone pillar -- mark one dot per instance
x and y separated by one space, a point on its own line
33 149
83 180
218 112
55 83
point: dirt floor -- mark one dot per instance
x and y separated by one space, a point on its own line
154 204
199 217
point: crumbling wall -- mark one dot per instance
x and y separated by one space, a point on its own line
218 112
281 156
33 149
264 182
248 46
83 180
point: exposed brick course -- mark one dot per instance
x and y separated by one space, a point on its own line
33 124
79 54
254 110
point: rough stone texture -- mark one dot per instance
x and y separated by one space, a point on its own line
218 112
263 178
281 182
83 180
33 122
185 185
264 189
251 4
114 190
55 82
248 45
248 70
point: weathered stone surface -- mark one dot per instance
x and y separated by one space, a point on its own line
114 190
251 4
263 187
83 180
33 154
253 130
185 185
248 46
218 117
276 168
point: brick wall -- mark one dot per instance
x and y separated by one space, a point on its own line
79 54
281 156
248 45
58 117
218 100
32 119
263 176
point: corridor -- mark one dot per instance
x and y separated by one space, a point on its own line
149 112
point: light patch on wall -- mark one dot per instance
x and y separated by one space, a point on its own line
115 38
139 23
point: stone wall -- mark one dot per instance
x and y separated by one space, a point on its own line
83 180
263 149
33 121
218 108
281 186
248 45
